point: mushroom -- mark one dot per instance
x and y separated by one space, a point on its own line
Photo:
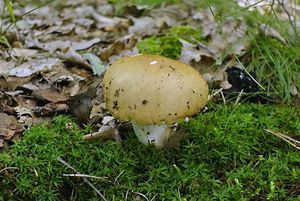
153 92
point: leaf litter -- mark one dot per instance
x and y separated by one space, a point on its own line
58 56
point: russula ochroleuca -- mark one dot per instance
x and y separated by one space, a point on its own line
153 92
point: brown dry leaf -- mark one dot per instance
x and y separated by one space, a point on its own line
226 40
104 133
80 105
11 83
70 55
269 31
23 52
30 67
50 94
193 52
125 43
9 126
1 143
143 26
50 109
62 44
110 24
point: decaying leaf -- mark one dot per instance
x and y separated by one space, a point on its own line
49 94
108 130
193 52
143 26
61 44
23 52
269 31
70 55
104 133
125 43
31 67
9 126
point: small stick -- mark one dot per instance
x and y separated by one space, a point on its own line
84 178
83 175
8 168
223 97
286 138
141 194
116 179
239 97
215 93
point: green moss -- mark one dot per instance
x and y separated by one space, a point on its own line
168 45
187 33
226 156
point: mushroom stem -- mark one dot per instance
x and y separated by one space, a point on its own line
152 134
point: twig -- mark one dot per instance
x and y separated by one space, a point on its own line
84 178
215 93
141 194
223 97
83 175
239 97
288 139
8 168
292 22
116 179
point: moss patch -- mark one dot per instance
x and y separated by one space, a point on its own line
226 156
168 45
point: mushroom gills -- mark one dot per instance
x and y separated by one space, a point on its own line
152 134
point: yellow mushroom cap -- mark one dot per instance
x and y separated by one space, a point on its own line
151 89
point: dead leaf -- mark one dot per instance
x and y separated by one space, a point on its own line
125 43
80 105
50 109
269 31
104 133
9 126
23 52
50 94
110 24
62 44
193 52
70 55
143 26
1 143
31 67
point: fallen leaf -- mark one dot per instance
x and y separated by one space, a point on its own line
62 44
9 126
50 94
143 26
70 55
1 143
31 67
192 52
125 43
50 109
23 52
269 31
104 133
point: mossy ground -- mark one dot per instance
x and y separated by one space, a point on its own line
226 156
168 44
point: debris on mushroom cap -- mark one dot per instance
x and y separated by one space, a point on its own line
151 89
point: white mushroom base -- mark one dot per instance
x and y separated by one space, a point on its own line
152 134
